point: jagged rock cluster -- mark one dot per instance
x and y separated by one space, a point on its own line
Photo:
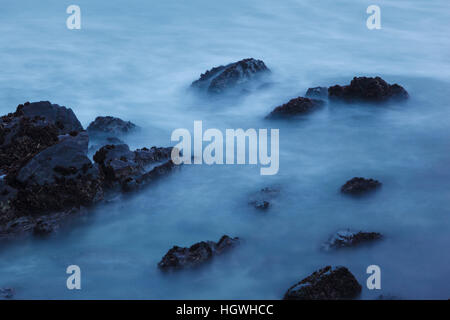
45 172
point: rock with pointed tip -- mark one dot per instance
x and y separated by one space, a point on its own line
329 283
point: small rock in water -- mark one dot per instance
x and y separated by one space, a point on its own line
237 74
317 92
326 284
368 89
347 238
110 127
261 200
360 185
294 107
199 253
7 293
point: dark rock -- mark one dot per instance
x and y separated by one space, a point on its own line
7 293
262 199
347 238
110 127
59 177
100 142
62 117
199 253
128 169
43 228
326 284
317 92
294 107
223 78
13 226
360 185
31 129
368 89
7 195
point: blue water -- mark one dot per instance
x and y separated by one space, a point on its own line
136 61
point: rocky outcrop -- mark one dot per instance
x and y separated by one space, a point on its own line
262 199
347 238
43 165
360 185
237 74
182 258
129 169
295 107
368 89
326 284
110 127
46 176
317 92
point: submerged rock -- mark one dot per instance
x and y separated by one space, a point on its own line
103 141
262 199
110 127
220 79
317 92
128 169
7 293
294 107
326 284
360 185
347 238
368 89
199 253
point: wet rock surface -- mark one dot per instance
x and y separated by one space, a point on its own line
360 185
317 92
329 283
128 169
182 258
295 107
237 74
110 127
368 89
348 238
263 199
102 141
25 132
59 177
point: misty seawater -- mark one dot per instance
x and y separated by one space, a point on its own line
136 60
